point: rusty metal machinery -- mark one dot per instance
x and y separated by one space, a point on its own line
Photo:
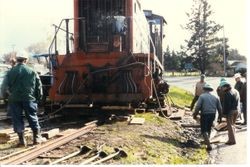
117 49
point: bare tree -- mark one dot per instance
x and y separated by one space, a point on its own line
37 48
7 57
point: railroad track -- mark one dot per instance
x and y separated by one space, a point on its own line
71 148
27 155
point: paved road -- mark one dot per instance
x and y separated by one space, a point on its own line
221 154
234 154
188 83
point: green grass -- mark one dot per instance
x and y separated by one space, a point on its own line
198 156
180 97
150 117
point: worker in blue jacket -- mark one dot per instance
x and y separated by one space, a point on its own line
207 105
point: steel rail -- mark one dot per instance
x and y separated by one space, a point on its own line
27 156
15 153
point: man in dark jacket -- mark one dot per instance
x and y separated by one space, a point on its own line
220 92
231 109
243 98
238 86
25 90
239 83
208 104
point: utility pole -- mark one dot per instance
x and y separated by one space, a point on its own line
224 53
55 38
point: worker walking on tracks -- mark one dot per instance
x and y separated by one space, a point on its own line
231 108
238 86
221 93
25 90
198 90
207 104
243 98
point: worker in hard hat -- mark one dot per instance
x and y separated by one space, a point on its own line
243 98
238 86
25 90
239 83
207 106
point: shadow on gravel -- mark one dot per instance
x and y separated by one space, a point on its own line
175 142
224 133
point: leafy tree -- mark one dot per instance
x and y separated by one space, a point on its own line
167 56
172 60
202 42
234 55
215 63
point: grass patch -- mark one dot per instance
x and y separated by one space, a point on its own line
180 97
196 156
157 141
152 118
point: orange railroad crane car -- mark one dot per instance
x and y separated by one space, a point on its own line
114 56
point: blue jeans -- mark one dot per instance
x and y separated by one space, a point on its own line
206 122
30 109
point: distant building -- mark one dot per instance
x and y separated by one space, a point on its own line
235 66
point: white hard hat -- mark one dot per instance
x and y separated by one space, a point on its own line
237 75
208 87
22 55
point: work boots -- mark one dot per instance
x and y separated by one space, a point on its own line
207 141
22 141
37 138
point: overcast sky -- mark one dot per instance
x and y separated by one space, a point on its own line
23 22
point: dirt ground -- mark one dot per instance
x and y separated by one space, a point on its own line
157 141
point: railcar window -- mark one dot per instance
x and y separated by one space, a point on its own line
99 20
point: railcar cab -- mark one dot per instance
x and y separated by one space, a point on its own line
156 24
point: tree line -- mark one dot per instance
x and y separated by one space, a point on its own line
177 61
203 51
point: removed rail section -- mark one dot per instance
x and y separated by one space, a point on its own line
27 156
